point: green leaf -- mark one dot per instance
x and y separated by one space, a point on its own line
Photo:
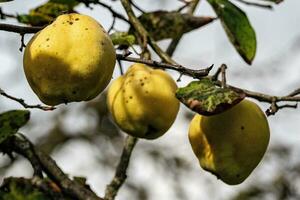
122 38
11 121
163 24
206 98
237 27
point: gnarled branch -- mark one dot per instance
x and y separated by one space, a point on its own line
20 144
120 174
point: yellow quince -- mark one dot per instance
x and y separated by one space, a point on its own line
71 59
143 102
230 144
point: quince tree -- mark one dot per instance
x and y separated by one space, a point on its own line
71 58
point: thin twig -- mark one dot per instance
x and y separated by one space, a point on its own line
120 175
269 98
136 6
20 29
272 1
288 106
186 4
22 42
114 13
223 73
179 78
193 73
120 67
25 105
216 75
295 92
112 25
259 5
5 15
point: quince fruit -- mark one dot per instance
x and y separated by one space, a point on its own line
143 102
230 144
71 59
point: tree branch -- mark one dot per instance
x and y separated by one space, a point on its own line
25 105
120 174
144 34
20 29
182 70
273 100
174 43
20 144
25 149
269 98
113 12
